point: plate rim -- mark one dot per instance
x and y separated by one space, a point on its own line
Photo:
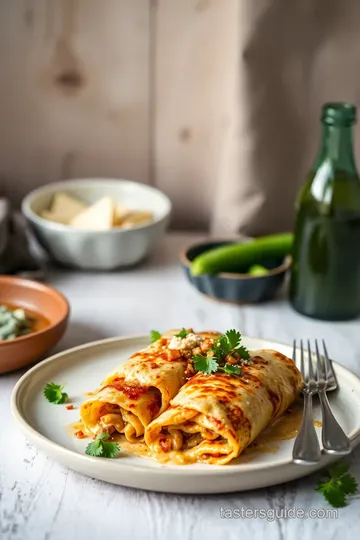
43 442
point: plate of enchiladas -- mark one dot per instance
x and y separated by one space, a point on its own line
180 412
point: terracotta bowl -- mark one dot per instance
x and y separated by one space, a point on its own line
51 312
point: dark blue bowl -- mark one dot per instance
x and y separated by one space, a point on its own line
236 288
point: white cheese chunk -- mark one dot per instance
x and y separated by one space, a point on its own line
187 343
98 217
63 208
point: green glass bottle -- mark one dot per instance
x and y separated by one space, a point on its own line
325 280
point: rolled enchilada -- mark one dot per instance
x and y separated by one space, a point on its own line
214 417
141 388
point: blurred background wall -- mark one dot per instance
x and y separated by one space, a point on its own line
216 102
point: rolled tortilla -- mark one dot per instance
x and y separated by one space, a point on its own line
215 417
141 388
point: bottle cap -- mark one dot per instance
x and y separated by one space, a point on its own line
338 114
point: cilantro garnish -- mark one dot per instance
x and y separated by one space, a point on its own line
53 393
102 448
228 344
231 370
337 484
154 336
205 364
183 333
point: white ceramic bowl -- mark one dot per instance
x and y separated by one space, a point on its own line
99 250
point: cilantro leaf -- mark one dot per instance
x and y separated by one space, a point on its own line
338 484
221 347
53 393
243 352
110 449
94 448
205 364
154 336
229 343
183 333
233 337
332 494
102 448
231 370
348 484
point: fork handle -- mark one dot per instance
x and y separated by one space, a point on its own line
334 439
306 449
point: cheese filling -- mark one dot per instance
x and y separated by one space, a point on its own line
184 437
114 419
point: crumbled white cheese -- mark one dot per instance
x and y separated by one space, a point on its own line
246 362
187 343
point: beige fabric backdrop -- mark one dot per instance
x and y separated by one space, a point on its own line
291 57
214 101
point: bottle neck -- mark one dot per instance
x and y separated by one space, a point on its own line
337 147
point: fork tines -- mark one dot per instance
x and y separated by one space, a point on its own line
318 376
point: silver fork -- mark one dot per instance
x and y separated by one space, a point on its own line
334 439
306 448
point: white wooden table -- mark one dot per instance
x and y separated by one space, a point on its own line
40 500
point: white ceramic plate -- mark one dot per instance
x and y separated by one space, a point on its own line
82 368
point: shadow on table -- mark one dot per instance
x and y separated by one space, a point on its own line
78 334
